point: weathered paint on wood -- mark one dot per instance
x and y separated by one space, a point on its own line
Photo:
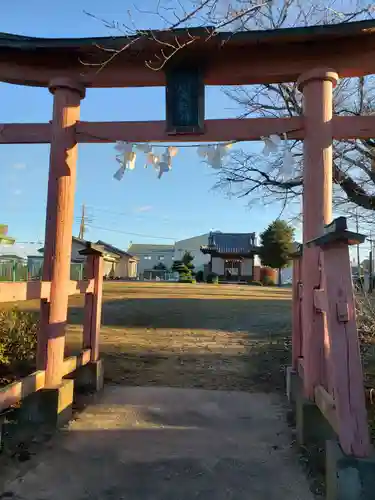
14 292
317 211
97 307
88 308
59 220
14 393
93 306
227 129
81 286
296 312
31 290
343 352
301 367
275 57
326 404
73 362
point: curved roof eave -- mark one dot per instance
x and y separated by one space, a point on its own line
22 42
271 56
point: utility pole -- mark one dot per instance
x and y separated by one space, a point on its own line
82 226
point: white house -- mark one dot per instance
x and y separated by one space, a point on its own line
193 245
150 255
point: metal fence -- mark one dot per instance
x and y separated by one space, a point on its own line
13 270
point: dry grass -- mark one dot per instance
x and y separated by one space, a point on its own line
211 336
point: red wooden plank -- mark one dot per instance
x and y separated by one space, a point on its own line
14 292
89 300
59 221
25 133
343 353
73 362
229 129
14 393
326 404
97 307
317 211
296 313
80 286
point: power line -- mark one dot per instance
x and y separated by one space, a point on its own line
135 214
133 234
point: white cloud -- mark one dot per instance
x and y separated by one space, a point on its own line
145 208
19 166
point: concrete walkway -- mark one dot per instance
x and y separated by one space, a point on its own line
169 444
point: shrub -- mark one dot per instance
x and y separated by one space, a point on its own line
213 278
365 311
199 276
268 281
255 283
187 279
18 339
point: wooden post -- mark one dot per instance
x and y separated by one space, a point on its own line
343 351
93 301
59 221
296 312
317 211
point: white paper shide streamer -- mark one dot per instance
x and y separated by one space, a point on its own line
127 155
272 145
213 154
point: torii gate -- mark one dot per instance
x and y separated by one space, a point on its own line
325 340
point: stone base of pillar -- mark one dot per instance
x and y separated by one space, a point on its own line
49 407
348 478
90 378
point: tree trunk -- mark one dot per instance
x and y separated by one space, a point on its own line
279 283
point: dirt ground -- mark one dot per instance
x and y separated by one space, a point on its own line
182 335
155 443
233 339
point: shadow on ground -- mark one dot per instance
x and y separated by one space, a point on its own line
163 443
230 344
255 316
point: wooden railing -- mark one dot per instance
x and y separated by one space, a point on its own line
92 289
31 290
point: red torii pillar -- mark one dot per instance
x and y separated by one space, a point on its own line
59 221
316 86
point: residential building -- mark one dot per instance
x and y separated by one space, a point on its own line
233 256
193 245
118 264
150 256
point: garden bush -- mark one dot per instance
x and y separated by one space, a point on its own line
187 279
268 281
18 339
199 276
213 278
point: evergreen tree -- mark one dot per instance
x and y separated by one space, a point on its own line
187 259
184 267
160 267
277 245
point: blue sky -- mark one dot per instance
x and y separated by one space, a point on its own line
180 205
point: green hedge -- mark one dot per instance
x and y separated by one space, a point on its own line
18 340
213 278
